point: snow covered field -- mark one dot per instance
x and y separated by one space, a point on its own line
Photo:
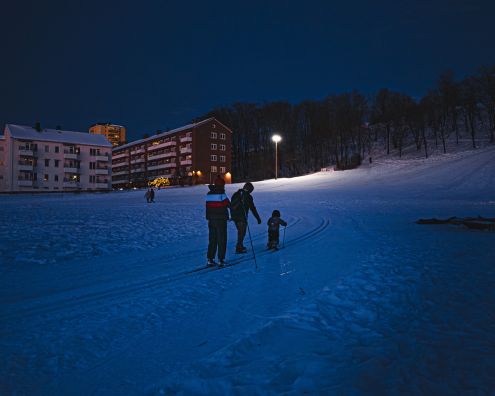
96 296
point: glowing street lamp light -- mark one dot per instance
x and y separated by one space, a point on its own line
276 139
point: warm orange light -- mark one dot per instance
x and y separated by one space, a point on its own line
198 173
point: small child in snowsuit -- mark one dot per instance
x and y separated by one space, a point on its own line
273 227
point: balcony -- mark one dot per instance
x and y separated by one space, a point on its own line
162 155
121 172
70 169
138 151
73 156
162 166
101 171
186 150
120 155
25 183
23 166
71 184
186 139
102 185
27 152
137 170
102 157
162 145
186 162
137 161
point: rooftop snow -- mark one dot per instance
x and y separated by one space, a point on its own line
171 132
55 135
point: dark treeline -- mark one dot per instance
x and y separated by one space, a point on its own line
341 130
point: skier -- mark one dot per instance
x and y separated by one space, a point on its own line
152 195
273 229
217 214
147 195
242 201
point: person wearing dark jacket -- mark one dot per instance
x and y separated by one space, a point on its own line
217 214
242 202
274 223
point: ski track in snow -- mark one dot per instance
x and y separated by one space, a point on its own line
360 301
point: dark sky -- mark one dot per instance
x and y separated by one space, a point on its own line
153 65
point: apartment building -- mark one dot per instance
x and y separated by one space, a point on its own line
50 159
115 134
192 154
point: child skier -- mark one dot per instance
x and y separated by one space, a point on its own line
273 227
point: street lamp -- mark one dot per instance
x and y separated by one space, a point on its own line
276 139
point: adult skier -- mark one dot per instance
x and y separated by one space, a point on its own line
217 214
242 202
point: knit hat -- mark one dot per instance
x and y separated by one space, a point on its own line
219 181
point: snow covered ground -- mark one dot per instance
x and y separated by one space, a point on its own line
96 296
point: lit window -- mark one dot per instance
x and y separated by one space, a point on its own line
213 169
222 169
213 157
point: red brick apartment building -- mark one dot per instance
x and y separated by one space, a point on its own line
192 154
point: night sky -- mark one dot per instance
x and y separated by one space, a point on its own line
153 65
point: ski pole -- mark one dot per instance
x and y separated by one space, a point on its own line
283 241
251 241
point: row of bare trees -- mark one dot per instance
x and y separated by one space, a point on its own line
342 129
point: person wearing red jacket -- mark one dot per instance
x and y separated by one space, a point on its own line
217 214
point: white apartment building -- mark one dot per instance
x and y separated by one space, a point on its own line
34 160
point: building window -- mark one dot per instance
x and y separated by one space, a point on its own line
213 146
56 149
222 136
92 165
47 161
92 179
213 157
222 147
56 163
222 158
45 178
56 177
213 169
47 149
213 135
222 169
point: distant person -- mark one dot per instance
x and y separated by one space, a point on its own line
147 195
152 195
217 214
274 223
242 202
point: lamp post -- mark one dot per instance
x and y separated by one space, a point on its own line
276 139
